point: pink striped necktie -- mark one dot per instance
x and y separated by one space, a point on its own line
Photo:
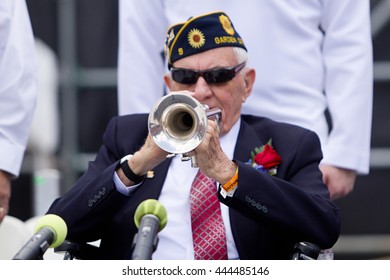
208 230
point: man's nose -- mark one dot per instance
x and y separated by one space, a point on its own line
202 89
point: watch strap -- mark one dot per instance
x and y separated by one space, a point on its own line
136 179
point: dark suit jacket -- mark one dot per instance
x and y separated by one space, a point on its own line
268 214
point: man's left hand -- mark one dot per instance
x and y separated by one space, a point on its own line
211 159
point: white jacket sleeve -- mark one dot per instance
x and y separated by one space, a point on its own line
18 83
142 27
348 61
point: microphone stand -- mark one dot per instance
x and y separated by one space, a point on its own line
146 240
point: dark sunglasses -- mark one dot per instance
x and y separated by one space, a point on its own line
212 76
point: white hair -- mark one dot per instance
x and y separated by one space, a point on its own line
241 54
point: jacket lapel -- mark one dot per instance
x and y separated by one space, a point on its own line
247 140
244 230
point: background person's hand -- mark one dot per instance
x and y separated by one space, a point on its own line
5 193
340 181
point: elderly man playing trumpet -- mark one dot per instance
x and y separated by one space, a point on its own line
255 189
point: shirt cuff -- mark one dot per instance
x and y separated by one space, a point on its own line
122 188
224 193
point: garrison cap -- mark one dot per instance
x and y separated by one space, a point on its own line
199 34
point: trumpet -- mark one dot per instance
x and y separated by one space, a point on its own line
178 124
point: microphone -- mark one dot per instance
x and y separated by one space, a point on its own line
50 231
150 217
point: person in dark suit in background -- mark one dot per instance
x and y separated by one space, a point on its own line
266 174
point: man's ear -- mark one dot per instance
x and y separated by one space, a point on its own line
168 81
249 79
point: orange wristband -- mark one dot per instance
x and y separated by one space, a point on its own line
232 183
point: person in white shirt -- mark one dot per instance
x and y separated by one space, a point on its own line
311 57
18 92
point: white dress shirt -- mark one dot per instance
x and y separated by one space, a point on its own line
18 83
308 56
175 240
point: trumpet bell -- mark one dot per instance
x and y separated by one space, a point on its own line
177 123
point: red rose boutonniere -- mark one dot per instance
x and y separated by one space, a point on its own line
265 159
